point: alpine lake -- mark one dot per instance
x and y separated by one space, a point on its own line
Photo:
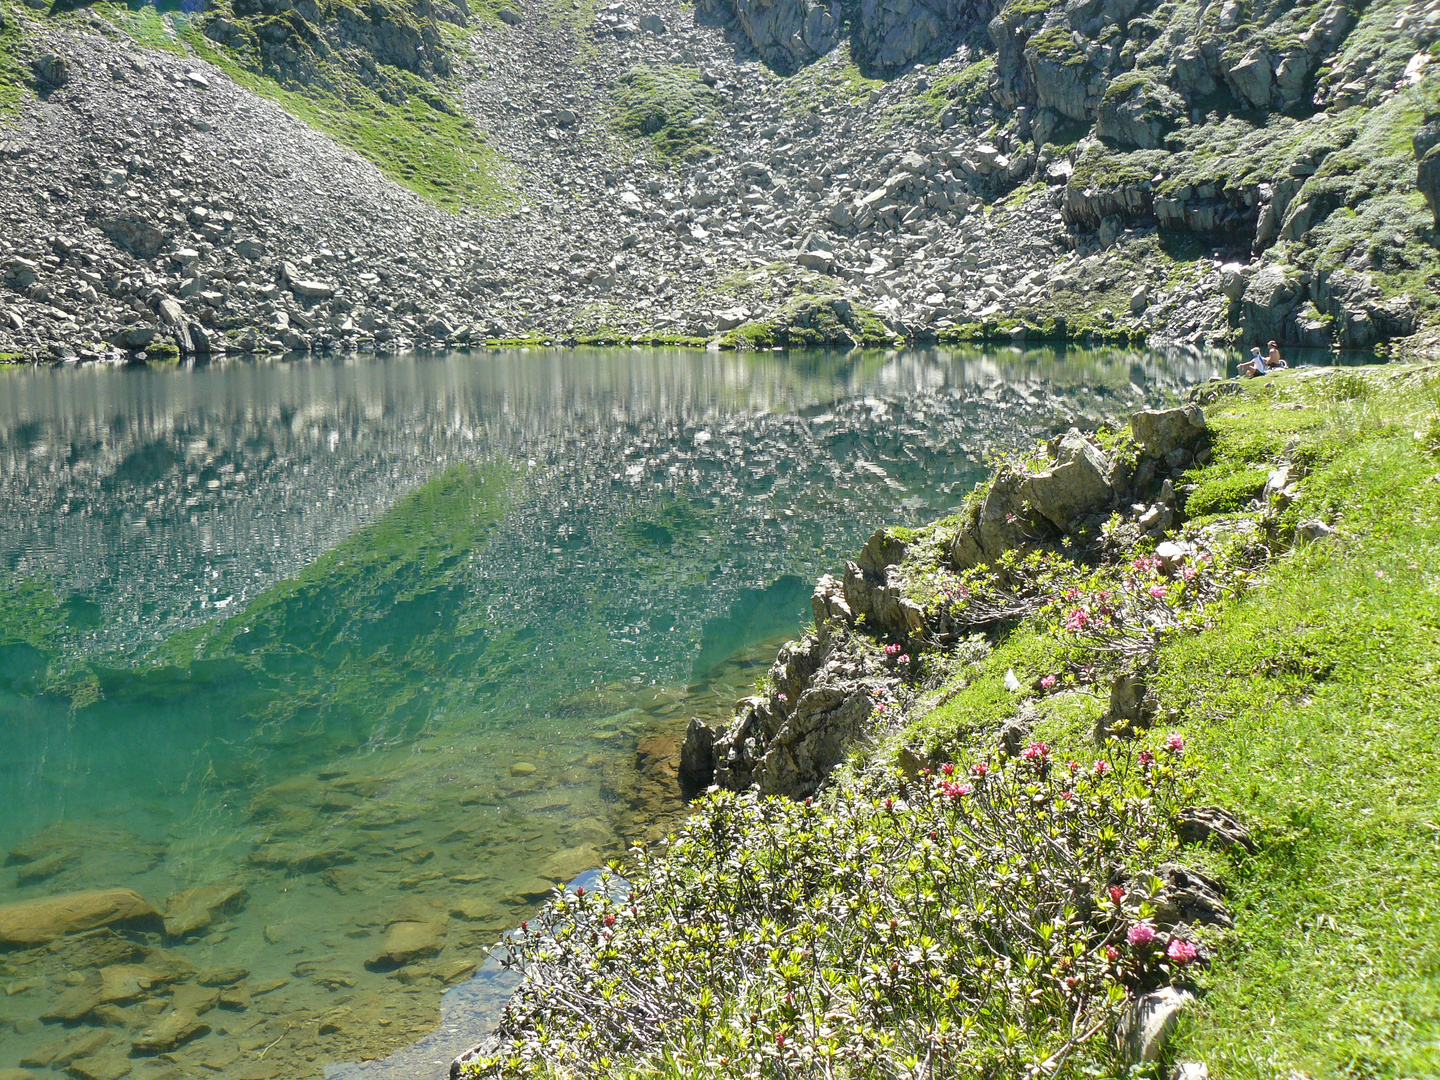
343 664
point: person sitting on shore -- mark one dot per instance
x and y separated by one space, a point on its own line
1275 362
1254 366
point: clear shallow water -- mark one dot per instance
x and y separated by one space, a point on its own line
404 641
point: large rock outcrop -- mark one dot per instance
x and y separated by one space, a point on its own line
826 689
886 36
1427 156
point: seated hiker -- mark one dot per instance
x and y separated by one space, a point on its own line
1254 366
1274 361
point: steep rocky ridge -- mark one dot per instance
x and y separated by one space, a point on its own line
747 173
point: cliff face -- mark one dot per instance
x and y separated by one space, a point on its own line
1295 134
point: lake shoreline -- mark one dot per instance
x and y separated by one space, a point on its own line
1077 674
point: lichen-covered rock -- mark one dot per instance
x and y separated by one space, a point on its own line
1160 432
1078 483
824 697
1148 1022
1213 825
1137 112
1427 153
1188 896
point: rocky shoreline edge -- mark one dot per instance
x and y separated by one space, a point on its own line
897 637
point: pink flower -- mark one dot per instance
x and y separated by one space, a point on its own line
892 649
1036 751
782 697
1174 742
1145 757
1047 682
903 658
580 893
1117 894
948 769
1111 953
1103 595
955 791
1073 766
1181 952
1066 796
1077 620
1157 591
609 920
1140 935
889 804
980 768
1101 767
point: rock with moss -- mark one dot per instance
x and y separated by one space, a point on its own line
1137 112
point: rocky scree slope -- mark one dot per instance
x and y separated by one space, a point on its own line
750 174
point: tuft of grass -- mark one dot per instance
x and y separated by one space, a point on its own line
671 108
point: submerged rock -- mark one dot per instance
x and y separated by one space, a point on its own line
195 909
405 942
176 1027
36 922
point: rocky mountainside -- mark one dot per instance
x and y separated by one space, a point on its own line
271 175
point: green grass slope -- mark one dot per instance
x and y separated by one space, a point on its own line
979 920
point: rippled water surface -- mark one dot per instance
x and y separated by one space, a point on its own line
372 652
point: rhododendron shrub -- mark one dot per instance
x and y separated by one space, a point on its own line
889 927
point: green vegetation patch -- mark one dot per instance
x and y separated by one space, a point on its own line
900 922
405 124
672 108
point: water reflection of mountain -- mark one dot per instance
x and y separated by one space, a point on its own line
164 497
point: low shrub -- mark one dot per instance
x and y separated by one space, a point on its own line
990 919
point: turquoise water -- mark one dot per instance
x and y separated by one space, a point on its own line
401 642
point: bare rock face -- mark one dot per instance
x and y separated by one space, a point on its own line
1160 432
787 743
36 922
52 70
135 234
697 755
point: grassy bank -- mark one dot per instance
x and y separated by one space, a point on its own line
995 914
1309 699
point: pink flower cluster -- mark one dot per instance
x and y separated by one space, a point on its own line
1036 751
1174 742
892 649
955 791
1048 681
1181 952
1141 936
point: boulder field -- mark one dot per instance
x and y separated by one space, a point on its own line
732 173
